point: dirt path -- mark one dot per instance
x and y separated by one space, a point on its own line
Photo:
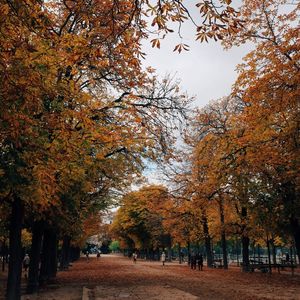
117 277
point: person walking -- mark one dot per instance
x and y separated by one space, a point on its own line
193 261
163 258
134 257
26 262
200 262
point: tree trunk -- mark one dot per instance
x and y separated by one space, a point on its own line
189 252
273 251
49 256
269 254
53 256
296 233
237 252
245 245
35 255
245 241
75 253
13 291
179 253
291 201
223 234
169 250
207 240
4 254
65 253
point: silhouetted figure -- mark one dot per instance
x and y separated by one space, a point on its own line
181 254
163 258
193 261
134 257
287 257
200 261
26 262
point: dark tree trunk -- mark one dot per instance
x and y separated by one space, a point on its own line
75 253
245 245
237 251
189 252
169 251
207 239
3 262
296 233
13 291
273 251
35 255
179 253
65 253
4 254
245 242
291 201
53 258
49 256
269 254
223 234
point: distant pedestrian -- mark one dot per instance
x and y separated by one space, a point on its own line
98 254
287 257
26 262
193 261
163 258
134 257
200 261
87 255
181 257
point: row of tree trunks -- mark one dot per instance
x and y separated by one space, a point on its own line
43 267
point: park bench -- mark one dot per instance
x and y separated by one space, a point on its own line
265 267
259 265
288 265
217 263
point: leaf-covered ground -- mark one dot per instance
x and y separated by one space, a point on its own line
117 277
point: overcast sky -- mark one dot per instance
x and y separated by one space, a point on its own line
207 71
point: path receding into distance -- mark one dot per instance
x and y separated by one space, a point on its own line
117 277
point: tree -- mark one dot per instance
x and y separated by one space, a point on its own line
269 86
139 220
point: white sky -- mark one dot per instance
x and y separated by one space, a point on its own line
207 71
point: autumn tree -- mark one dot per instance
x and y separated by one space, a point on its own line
139 220
268 84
